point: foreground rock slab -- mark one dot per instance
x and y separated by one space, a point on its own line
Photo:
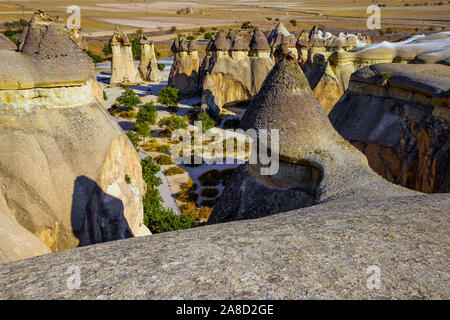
320 252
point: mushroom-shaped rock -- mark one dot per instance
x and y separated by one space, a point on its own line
221 43
259 41
192 46
322 165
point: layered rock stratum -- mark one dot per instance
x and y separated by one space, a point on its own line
63 161
329 72
399 116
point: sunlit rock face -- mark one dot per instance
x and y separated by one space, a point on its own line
148 67
317 165
234 69
398 115
123 70
63 160
329 72
184 73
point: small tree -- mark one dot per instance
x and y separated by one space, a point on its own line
139 31
147 113
207 121
107 50
173 122
201 30
136 48
128 99
142 128
168 97
293 22
207 35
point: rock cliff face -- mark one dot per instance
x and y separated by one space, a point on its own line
234 70
63 160
123 70
329 72
149 66
184 74
398 115
316 164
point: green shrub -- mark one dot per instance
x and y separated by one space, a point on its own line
127 179
247 25
158 219
107 50
161 66
210 178
142 128
134 138
139 31
164 159
164 148
105 97
95 58
136 48
207 35
190 37
173 122
149 171
168 97
128 98
207 121
172 171
269 19
173 29
209 192
201 30
147 113
293 22
389 30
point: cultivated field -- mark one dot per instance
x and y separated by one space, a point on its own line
99 17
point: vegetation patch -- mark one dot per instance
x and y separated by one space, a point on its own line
164 160
172 171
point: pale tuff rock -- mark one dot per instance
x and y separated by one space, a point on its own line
184 74
316 164
234 69
148 67
6 44
76 36
329 72
123 70
64 160
399 116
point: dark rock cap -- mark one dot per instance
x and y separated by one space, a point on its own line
119 38
240 44
302 41
221 43
259 41
145 40
192 46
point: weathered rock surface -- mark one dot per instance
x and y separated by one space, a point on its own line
63 159
229 75
123 70
313 156
398 115
329 72
148 67
184 73
319 252
6 44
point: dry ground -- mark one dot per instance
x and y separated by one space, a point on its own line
98 17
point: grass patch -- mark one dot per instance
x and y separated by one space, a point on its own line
163 160
172 171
